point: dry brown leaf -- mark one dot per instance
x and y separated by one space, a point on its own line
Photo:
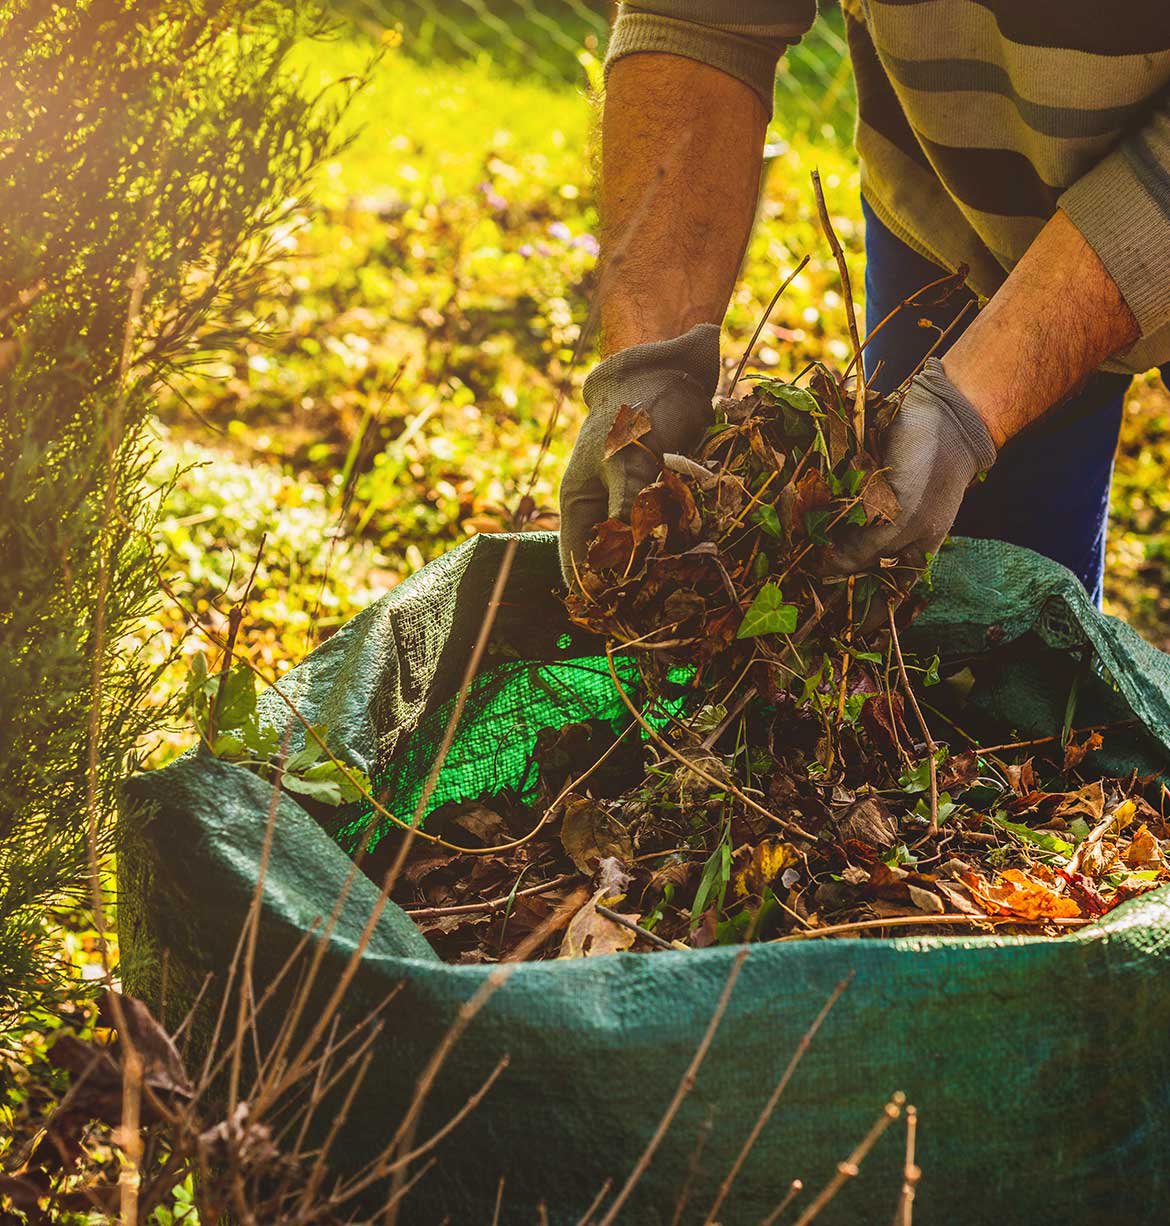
590 933
589 834
1075 751
868 821
481 823
1144 852
879 500
629 425
1089 800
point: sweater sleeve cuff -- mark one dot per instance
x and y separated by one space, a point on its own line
751 60
1122 207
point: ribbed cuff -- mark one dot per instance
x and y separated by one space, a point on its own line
694 355
1122 207
751 60
963 413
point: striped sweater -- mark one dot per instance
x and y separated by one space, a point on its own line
977 119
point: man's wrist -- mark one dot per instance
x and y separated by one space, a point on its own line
975 379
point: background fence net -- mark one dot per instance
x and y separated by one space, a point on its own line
554 41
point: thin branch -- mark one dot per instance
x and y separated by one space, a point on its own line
794 1190
931 747
848 1169
850 315
763 320
911 1172
926 921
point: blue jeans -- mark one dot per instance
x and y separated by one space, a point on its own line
1049 489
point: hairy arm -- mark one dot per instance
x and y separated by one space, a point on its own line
682 147
1051 324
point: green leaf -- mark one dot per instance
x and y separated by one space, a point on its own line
235 699
1048 842
946 807
327 791
789 394
768 614
815 523
769 520
930 675
760 566
1079 829
901 855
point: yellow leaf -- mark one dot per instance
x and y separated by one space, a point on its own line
761 866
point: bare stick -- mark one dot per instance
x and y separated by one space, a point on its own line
614 917
723 784
499 1202
692 1170
848 1169
747 353
839 256
494 904
931 747
684 1088
911 1172
926 921
774 1098
595 1203
794 1190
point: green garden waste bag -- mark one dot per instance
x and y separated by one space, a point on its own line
1039 1067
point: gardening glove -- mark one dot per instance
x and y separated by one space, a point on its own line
673 383
935 447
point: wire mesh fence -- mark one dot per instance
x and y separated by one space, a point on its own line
553 40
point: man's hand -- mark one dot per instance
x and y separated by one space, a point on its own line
672 382
937 445
1051 324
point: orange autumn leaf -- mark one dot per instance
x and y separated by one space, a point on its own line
1015 893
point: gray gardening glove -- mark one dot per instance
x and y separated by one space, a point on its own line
673 382
935 447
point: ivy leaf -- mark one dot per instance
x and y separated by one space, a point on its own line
791 395
768 614
768 519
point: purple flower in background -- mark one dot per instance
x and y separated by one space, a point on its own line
558 229
526 250
492 198
586 242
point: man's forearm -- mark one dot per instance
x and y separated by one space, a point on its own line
682 149
1051 324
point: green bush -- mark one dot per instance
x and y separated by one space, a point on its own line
149 153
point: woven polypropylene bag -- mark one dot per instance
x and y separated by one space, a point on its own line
1036 1065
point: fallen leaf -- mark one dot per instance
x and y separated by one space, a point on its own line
589 834
482 823
869 821
1089 800
879 500
590 933
959 772
1022 778
1144 851
629 425
756 868
1014 892
612 546
1075 751
925 900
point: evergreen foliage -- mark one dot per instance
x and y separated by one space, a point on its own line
151 153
